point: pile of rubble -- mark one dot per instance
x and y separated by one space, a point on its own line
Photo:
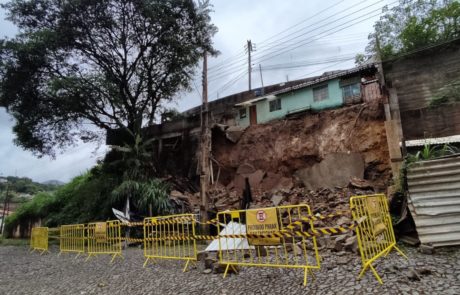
323 200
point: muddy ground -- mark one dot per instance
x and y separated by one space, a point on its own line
24 273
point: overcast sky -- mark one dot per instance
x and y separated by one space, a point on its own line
293 39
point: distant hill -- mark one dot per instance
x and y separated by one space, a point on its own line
53 182
25 185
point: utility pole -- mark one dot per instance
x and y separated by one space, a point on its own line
205 145
5 203
249 47
261 78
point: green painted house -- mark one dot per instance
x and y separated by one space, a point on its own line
330 90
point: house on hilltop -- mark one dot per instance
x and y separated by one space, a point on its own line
330 90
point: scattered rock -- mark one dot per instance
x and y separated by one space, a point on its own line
426 249
233 133
220 268
413 275
351 244
176 194
245 169
343 260
338 242
261 251
276 200
208 263
297 250
343 220
424 271
412 241
360 183
201 255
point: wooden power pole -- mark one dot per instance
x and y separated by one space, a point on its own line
249 48
205 145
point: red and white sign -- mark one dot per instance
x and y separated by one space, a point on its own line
261 216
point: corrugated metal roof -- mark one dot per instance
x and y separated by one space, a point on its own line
434 200
326 77
430 141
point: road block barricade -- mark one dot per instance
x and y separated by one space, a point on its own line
104 238
375 233
72 239
268 237
39 239
170 237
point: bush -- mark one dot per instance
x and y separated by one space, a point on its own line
86 198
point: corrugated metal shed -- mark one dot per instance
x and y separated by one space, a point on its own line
434 200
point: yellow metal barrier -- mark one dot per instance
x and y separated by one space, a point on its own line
375 233
72 239
104 238
170 237
39 239
266 237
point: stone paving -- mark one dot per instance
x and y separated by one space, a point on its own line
24 273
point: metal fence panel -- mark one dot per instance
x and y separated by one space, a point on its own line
266 238
39 239
104 238
170 237
72 239
375 231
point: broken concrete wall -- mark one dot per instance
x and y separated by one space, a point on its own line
335 169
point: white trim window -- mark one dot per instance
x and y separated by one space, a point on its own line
275 105
243 113
320 93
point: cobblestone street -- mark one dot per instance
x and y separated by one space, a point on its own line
24 273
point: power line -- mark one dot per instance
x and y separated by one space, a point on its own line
286 48
311 39
241 53
262 58
323 20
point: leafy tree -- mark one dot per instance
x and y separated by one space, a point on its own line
414 24
109 64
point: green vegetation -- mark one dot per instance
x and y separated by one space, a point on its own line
24 185
90 197
428 152
13 242
412 25
148 195
77 68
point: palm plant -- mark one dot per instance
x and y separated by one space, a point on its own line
148 195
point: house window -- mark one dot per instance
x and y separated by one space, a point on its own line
243 113
275 105
351 91
320 93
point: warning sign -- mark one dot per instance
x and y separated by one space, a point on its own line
376 216
262 222
100 232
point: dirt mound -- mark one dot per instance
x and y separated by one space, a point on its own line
278 150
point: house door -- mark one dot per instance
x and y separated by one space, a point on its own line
253 115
